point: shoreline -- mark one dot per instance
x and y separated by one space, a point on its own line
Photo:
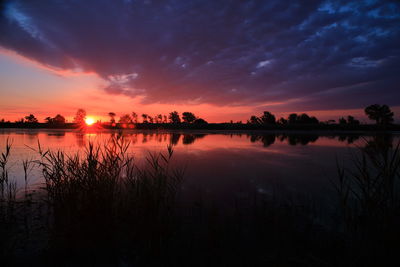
210 131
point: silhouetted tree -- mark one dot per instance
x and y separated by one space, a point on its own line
188 117
282 121
151 120
144 117
200 121
49 120
292 118
31 119
126 118
112 117
80 116
351 120
268 118
58 119
381 114
134 117
342 121
159 118
302 119
254 120
174 117
314 120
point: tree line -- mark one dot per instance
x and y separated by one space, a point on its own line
381 114
173 117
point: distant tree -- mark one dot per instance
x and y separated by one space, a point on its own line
80 116
31 119
125 119
268 118
351 120
292 118
188 117
254 120
314 120
112 117
174 117
134 117
49 120
58 119
381 114
151 120
145 117
159 118
342 121
200 121
165 119
282 121
302 119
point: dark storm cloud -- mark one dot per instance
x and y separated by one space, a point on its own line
314 54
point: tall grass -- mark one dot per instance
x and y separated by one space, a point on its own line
102 198
369 195
7 203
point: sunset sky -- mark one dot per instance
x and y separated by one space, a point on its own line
221 60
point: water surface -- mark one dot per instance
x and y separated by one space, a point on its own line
217 164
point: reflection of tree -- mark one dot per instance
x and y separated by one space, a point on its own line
350 138
174 138
190 138
144 140
80 139
266 139
32 135
302 139
381 143
59 135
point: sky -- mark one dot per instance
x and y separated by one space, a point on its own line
222 60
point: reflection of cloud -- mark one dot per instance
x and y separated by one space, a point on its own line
210 52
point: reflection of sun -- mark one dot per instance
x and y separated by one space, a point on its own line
89 121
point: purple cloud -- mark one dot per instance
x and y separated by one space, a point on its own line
326 54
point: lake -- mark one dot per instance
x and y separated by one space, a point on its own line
218 164
251 198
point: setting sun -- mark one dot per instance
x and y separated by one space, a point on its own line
89 121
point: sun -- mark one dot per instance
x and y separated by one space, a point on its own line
89 121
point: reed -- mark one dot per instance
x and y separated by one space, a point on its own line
96 196
369 193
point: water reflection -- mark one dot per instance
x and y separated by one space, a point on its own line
218 164
266 140
300 139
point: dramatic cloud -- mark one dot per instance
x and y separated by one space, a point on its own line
304 54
